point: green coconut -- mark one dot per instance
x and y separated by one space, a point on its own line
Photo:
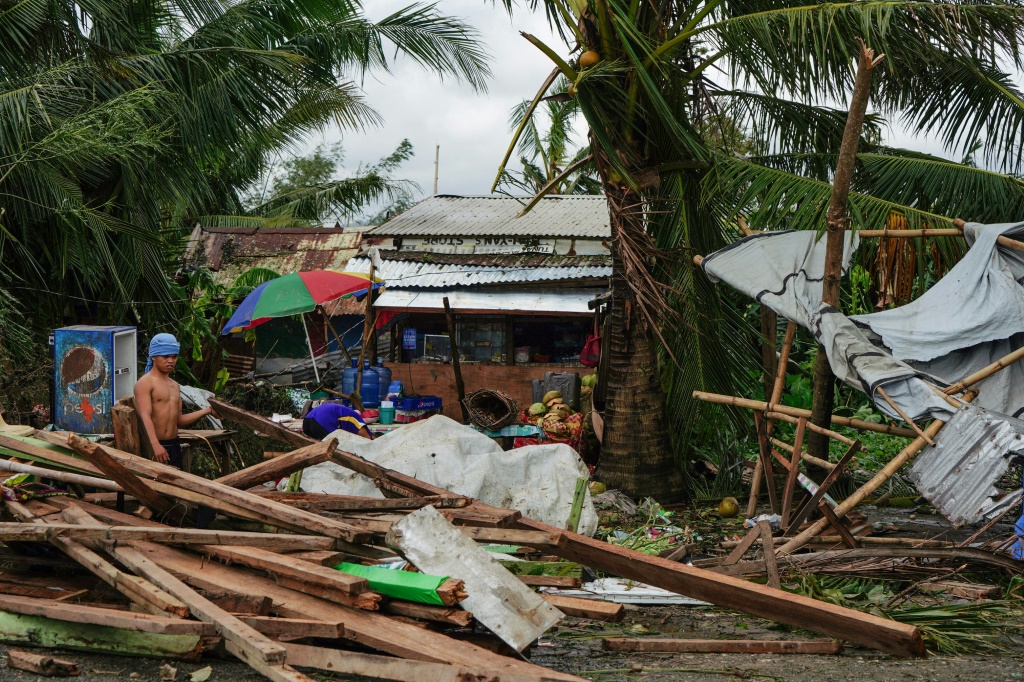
537 409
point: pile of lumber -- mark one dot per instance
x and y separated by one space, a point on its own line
260 583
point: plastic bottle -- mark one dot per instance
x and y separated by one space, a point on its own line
383 379
369 390
348 378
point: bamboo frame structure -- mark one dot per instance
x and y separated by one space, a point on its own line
957 231
903 415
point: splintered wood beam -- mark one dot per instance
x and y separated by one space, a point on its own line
94 615
282 565
438 614
587 608
325 502
181 485
131 483
279 467
822 490
794 470
139 591
34 532
40 664
722 646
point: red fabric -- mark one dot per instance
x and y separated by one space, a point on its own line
385 317
327 285
591 353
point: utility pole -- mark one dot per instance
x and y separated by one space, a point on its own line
437 158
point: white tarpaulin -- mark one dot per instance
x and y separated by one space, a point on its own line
970 318
538 480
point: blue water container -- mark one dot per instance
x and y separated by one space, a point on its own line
369 390
383 379
348 378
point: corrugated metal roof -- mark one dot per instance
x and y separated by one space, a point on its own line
512 260
429 275
229 252
553 216
971 452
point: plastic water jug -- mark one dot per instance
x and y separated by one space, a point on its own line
369 390
348 378
383 378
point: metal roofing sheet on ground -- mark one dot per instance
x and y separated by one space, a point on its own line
972 451
554 216
411 274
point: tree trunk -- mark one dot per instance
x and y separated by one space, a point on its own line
838 221
635 455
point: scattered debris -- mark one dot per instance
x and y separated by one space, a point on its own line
43 665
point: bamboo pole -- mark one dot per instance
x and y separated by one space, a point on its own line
827 433
938 232
903 415
981 374
762 406
63 476
810 459
861 493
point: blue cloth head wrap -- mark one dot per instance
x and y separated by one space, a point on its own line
162 344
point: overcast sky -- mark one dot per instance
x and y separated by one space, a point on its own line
472 128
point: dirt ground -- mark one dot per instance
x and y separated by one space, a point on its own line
574 646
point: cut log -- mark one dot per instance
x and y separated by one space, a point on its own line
279 467
722 646
587 608
126 429
42 665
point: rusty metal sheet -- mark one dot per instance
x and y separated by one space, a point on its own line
972 451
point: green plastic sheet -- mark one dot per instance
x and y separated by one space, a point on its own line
417 587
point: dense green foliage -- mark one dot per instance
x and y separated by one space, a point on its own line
122 125
774 70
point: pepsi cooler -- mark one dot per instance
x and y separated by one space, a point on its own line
94 367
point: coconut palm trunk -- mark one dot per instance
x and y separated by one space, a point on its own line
636 456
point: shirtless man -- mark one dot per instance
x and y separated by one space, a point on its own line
158 401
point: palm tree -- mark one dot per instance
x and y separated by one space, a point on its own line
646 90
546 152
122 124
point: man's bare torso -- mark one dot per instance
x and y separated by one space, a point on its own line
165 397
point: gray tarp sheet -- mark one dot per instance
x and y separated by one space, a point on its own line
970 318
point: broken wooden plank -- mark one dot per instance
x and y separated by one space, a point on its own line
92 615
279 467
365 627
511 536
41 665
58 634
131 483
438 614
321 557
962 590
283 566
563 581
181 485
249 645
126 429
771 567
385 668
794 470
295 627
33 532
325 502
497 599
837 525
831 478
594 609
721 646
136 589
734 593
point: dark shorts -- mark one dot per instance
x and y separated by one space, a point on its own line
312 428
173 448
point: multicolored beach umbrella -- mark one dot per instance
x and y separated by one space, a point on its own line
294 293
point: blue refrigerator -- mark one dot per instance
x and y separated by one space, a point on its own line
94 367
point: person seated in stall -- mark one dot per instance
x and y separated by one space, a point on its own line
321 421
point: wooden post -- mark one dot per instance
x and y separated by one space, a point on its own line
126 430
838 221
764 449
460 387
794 470
356 397
773 397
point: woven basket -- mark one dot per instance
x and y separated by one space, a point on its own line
491 410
